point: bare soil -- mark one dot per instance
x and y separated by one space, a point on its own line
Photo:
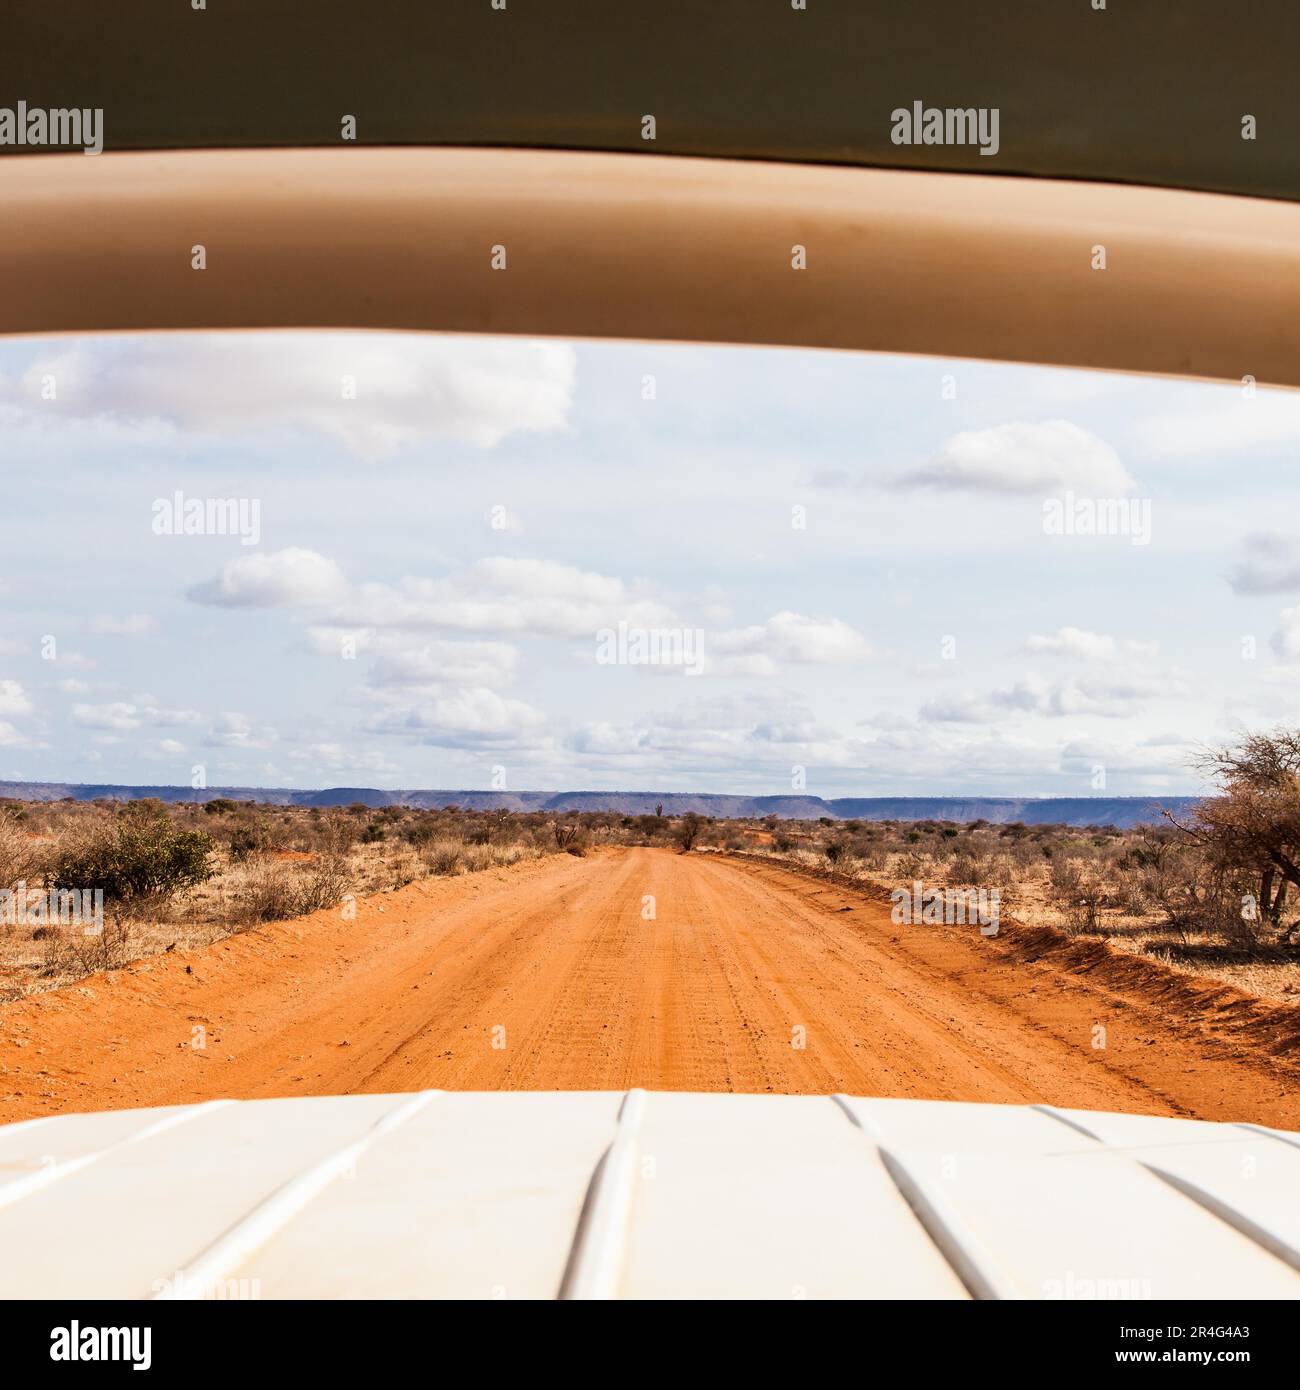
646 967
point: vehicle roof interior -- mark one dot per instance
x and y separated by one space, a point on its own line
222 128
1139 93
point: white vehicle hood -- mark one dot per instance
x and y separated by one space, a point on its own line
636 1195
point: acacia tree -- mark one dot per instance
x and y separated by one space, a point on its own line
566 835
688 831
1251 830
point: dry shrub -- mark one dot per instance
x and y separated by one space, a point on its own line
967 867
420 832
108 949
272 892
268 893
450 857
20 855
913 865
323 883
71 951
1080 890
404 869
445 857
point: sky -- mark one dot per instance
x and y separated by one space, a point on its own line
460 562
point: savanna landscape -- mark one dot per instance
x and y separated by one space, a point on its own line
257 949
828 826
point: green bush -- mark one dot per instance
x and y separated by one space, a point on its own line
140 854
420 832
246 840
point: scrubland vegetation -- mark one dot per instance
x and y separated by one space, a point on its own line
180 875
1206 894
1210 894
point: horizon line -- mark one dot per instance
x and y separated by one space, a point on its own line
623 791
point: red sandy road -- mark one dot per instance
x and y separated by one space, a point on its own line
591 995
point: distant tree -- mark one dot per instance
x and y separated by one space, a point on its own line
688 831
565 835
1252 828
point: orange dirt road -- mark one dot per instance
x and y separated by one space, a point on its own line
548 976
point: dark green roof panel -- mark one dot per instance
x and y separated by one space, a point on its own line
1138 91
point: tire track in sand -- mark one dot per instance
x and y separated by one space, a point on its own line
592 994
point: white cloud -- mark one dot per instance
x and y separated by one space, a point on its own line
13 698
125 715
119 716
1115 696
472 717
1286 640
1228 422
1080 644
170 718
1024 457
1157 758
1072 641
405 659
408 387
500 594
334 757
736 735
788 637
1270 565
445 663
233 730
280 579
504 594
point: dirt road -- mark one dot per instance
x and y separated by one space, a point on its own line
555 975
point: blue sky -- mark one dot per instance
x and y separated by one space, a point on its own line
859 542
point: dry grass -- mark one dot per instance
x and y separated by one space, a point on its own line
1084 889
269 864
273 862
